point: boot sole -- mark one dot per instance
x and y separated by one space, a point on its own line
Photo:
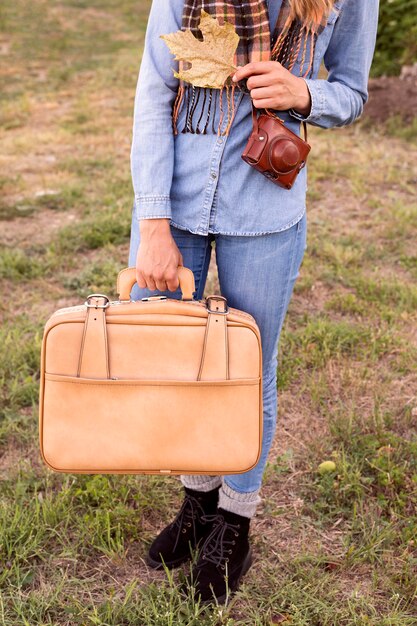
245 567
169 564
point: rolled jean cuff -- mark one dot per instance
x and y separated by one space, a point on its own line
240 503
200 482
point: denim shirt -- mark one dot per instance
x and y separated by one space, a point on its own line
200 182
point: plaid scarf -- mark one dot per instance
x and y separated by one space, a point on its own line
290 39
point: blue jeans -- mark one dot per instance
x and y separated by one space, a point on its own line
257 275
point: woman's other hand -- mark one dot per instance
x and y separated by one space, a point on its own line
272 86
158 256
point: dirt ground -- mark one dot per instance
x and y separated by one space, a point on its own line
393 95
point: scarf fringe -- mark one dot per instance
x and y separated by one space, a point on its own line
188 96
295 37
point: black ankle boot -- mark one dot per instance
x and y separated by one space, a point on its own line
224 558
176 541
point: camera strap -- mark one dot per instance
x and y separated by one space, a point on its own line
268 112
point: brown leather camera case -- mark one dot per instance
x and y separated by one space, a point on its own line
274 150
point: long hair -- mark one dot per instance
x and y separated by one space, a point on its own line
310 10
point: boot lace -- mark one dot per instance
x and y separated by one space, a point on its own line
189 511
216 546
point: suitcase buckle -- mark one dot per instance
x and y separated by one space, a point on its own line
218 299
96 305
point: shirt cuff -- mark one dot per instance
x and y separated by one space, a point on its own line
152 207
316 90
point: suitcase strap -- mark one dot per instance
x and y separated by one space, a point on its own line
94 353
215 357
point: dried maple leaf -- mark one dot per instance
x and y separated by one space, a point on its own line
211 59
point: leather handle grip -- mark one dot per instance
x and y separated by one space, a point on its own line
126 278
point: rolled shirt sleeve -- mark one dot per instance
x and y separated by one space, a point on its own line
152 149
339 99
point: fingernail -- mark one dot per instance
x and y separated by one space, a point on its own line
234 77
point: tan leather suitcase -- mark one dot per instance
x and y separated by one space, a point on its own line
157 385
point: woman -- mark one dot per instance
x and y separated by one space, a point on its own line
192 189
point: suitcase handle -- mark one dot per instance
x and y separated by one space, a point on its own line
126 278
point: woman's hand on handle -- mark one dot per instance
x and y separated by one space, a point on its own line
158 256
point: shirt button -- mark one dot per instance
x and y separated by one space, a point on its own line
220 140
213 175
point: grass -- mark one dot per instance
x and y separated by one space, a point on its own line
332 549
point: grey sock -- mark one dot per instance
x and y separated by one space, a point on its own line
240 503
200 482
